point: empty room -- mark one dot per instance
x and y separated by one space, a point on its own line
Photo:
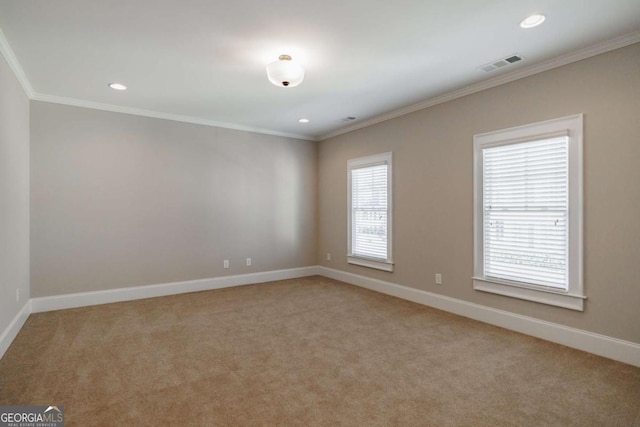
358 213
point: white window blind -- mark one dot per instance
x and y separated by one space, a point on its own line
525 212
369 211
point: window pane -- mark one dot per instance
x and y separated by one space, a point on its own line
369 211
525 212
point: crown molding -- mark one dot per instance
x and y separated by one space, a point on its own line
159 115
559 61
15 66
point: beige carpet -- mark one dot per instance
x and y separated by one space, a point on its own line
304 352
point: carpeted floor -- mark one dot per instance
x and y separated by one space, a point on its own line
306 352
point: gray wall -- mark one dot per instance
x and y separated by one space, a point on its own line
14 195
120 200
433 228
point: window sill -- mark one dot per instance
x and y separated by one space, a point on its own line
371 263
544 296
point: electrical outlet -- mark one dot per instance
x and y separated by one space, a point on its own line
438 279
328 256
17 294
226 263
248 262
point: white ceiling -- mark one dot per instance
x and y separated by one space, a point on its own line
204 60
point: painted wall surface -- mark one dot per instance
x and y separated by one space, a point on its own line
14 195
433 188
120 200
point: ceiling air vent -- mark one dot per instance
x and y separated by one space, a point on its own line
348 119
511 59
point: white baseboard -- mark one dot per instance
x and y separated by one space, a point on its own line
83 299
613 348
602 345
10 333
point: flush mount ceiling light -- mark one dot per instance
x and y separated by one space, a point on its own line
117 86
532 21
285 72
303 120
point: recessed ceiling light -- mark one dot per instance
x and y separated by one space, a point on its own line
532 21
117 86
303 121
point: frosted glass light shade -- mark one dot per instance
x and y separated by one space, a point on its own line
285 72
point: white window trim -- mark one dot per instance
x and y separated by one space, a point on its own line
574 297
376 159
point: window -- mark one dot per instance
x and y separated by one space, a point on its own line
370 212
528 212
